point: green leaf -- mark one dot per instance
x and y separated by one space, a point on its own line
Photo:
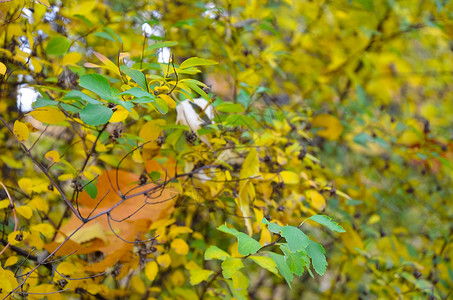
266 263
196 61
95 114
78 95
90 188
283 268
316 252
84 19
239 120
138 93
114 34
96 83
58 46
215 252
161 45
229 107
161 105
294 260
327 222
273 227
296 239
230 266
104 35
136 75
246 244
155 175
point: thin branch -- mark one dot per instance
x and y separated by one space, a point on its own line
11 203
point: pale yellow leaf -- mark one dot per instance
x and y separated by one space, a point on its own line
90 232
53 156
21 132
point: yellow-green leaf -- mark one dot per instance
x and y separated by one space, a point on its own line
198 275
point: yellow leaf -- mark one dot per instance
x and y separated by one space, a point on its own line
374 219
25 211
49 115
21 131
175 230
17 236
151 270
8 280
71 58
138 285
11 261
351 239
119 115
108 63
150 132
46 229
90 232
246 196
180 246
289 177
317 200
39 204
169 100
44 2
64 177
164 260
2 69
53 156
66 268
4 203
197 275
251 165
332 126
25 184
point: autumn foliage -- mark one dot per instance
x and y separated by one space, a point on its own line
226 150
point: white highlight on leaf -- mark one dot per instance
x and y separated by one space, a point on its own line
25 97
187 115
